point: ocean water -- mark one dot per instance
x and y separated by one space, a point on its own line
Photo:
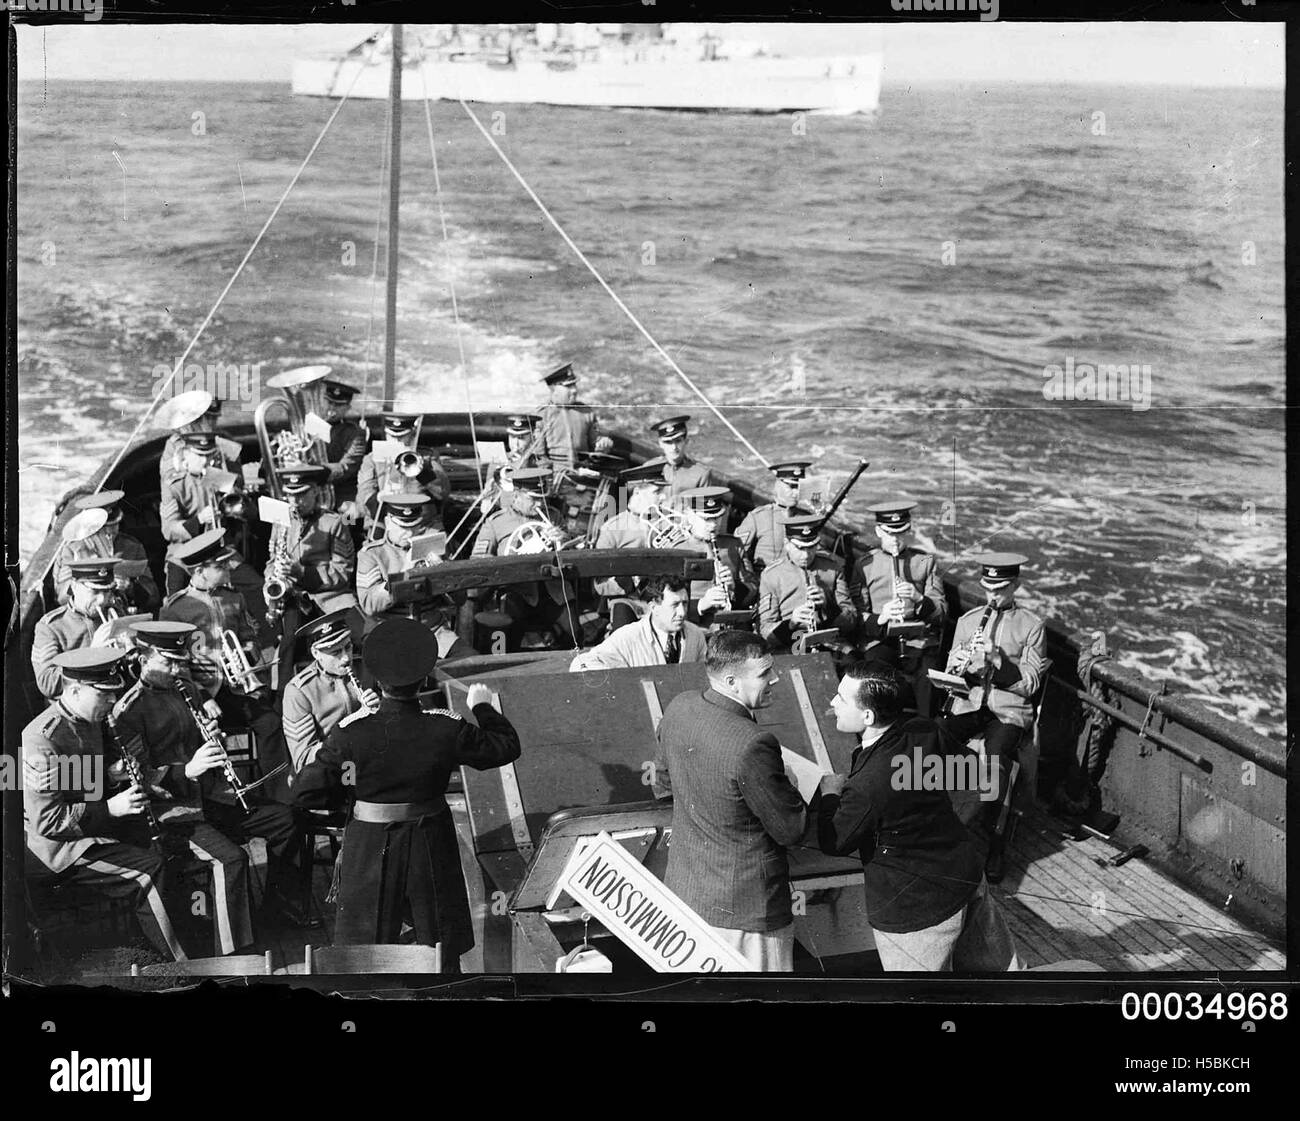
891 288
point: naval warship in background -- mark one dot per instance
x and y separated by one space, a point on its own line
627 65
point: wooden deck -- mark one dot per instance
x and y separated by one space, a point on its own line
1061 905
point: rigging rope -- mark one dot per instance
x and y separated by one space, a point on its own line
180 362
612 294
374 256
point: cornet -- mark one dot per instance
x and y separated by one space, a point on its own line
235 664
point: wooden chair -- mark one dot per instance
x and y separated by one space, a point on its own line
384 958
232 965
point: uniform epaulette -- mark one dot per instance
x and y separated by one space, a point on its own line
442 712
174 597
58 612
304 675
53 717
372 544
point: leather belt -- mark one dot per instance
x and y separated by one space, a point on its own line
390 813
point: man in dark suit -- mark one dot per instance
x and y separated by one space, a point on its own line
400 855
734 810
927 899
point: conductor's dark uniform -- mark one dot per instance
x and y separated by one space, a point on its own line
400 857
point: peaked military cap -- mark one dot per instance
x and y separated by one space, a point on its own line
328 630
711 502
172 639
94 572
563 376
401 424
893 514
206 547
672 429
997 570
339 392
651 471
99 666
805 529
521 424
105 500
400 652
792 471
405 507
200 441
298 477
531 479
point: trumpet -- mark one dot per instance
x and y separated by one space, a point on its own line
235 665
365 710
213 737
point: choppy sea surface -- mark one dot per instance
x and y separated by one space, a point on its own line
891 287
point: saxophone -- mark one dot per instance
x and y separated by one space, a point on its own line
277 584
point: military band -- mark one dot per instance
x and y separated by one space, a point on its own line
209 668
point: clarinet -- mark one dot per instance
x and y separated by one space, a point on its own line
212 738
722 574
967 652
361 713
810 582
133 771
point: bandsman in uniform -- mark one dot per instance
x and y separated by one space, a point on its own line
1004 666
191 798
663 636
567 425
528 603
735 587
80 622
347 443
379 561
789 605
139 591
900 597
194 411
191 502
521 432
73 828
385 475
761 534
212 606
681 472
645 488
322 558
400 856
322 693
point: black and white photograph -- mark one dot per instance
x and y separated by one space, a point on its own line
715 499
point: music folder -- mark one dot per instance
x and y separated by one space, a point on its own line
949 681
427 548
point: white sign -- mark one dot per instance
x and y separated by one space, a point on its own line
229 448
642 913
317 427
273 510
490 452
385 451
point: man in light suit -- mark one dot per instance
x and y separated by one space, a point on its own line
663 636
734 810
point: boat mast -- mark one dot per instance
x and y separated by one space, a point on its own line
394 190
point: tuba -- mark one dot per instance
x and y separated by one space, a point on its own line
300 390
